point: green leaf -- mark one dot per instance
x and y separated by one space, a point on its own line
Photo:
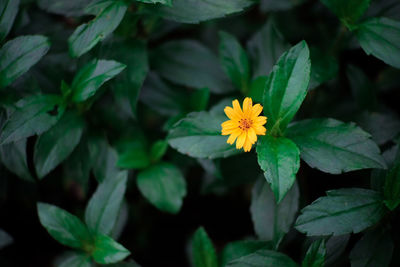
103 208
132 154
362 87
265 48
199 99
324 67
93 75
87 35
199 135
392 185
163 186
237 249
33 115
5 239
14 158
279 158
287 87
19 55
8 11
64 7
265 258
272 221
195 11
164 2
189 63
107 251
234 60
342 211
382 126
158 150
54 146
63 226
75 259
381 38
203 251
348 11
257 88
375 248
334 147
315 256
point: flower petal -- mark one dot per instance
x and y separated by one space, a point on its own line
260 130
247 145
241 139
251 135
261 120
227 131
256 110
233 136
231 113
247 107
237 109
230 124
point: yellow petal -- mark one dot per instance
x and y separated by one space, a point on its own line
233 136
241 139
227 131
251 135
237 108
256 110
231 113
260 130
247 106
261 120
247 145
229 125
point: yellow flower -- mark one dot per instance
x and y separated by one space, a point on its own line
244 124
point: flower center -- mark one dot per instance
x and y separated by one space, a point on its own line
245 124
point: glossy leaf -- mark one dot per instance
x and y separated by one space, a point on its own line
93 75
107 251
287 87
348 11
315 256
104 159
238 249
103 208
8 11
203 250
54 146
199 135
163 186
18 55
265 258
342 211
334 147
279 158
14 158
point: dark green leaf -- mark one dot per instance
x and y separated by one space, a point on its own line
103 207
64 7
382 126
334 147
191 64
33 115
14 158
381 38
64 227
342 211
375 248
324 67
279 158
392 185
75 259
87 35
234 60
89 78
203 250
237 249
199 135
5 239
164 186
8 11
272 221
199 99
335 246
362 87
19 55
158 150
132 154
257 88
264 258
287 87
315 256
107 251
54 146
271 5
348 11
164 2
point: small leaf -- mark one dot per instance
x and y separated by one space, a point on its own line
164 186
64 227
8 11
348 11
19 55
334 147
107 251
93 75
14 158
265 258
381 38
5 239
315 256
158 150
203 250
199 135
238 249
75 259
287 87
87 35
103 207
342 211
279 158
54 146
132 154
392 185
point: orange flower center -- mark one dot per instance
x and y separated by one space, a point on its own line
245 124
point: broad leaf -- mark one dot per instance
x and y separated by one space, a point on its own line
392 185
342 211
93 75
164 186
348 11
104 206
265 258
87 35
279 158
272 221
8 11
315 256
57 144
334 147
380 37
199 135
33 115
14 158
107 251
203 250
19 55
237 249
189 63
64 227
64 7
287 87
